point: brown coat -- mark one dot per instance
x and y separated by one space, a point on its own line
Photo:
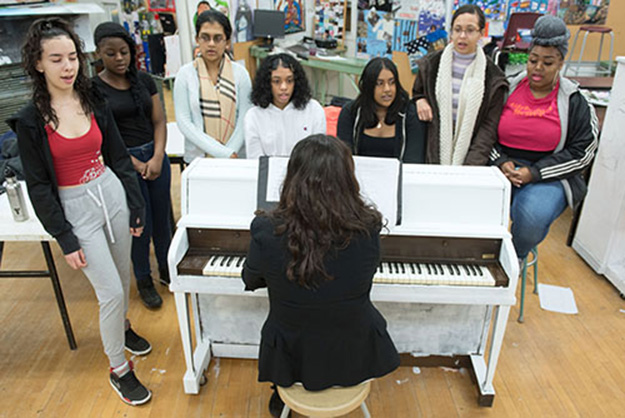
485 131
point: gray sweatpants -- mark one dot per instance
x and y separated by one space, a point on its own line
99 216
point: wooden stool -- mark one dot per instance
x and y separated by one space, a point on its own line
526 264
331 402
603 30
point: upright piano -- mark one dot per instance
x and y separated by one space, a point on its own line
445 285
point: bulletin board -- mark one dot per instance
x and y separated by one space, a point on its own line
329 21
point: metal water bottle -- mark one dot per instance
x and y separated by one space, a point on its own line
16 196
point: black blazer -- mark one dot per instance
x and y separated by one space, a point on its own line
325 337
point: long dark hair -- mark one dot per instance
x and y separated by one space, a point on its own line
320 207
39 31
115 30
261 92
366 101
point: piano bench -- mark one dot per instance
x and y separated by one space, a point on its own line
526 264
331 402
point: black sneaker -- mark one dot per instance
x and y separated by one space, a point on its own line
129 388
136 344
164 276
276 405
149 295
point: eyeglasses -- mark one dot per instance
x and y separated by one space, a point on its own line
206 38
469 32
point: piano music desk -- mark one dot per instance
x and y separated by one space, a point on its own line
32 230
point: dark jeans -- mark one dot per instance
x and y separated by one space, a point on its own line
156 194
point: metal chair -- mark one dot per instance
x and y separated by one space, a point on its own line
603 30
526 264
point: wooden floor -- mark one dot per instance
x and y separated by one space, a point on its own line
553 365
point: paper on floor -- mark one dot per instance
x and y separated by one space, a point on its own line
556 299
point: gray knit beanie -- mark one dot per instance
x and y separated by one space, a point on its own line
551 31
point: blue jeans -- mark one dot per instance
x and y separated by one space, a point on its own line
534 208
156 194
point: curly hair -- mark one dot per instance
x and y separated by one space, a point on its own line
261 91
366 101
320 207
39 31
115 30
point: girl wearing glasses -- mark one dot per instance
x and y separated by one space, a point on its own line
284 110
82 185
211 93
460 92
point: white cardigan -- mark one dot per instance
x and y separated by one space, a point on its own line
189 117
274 131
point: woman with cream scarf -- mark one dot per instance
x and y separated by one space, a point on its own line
461 93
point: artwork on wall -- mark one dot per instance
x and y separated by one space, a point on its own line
294 15
493 9
583 12
377 31
330 19
431 16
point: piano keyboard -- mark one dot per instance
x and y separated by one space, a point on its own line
387 272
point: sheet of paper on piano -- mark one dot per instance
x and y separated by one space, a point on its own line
379 180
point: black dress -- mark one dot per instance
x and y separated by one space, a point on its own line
331 336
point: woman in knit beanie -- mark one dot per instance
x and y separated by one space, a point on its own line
547 136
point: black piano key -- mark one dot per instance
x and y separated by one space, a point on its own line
428 268
479 270
412 270
466 269
239 261
223 261
419 268
394 268
403 270
473 272
230 260
213 259
451 270
457 269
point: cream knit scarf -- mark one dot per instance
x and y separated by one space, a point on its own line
454 143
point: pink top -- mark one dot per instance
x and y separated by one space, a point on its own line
529 123
76 160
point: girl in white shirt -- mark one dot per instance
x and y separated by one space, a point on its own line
284 112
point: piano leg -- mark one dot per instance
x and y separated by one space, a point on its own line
484 373
196 360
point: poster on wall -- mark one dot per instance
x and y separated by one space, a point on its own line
406 9
536 6
243 17
583 12
378 29
329 19
294 15
431 16
493 9
405 32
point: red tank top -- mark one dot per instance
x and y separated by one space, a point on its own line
76 160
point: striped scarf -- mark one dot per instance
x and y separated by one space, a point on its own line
217 101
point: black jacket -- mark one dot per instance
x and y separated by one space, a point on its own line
410 133
485 130
325 337
41 178
576 148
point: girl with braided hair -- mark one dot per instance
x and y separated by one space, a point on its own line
82 185
133 98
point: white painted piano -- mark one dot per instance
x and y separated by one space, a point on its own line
445 286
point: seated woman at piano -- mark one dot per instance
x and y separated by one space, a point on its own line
317 253
460 92
211 93
381 121
284 111
547 136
